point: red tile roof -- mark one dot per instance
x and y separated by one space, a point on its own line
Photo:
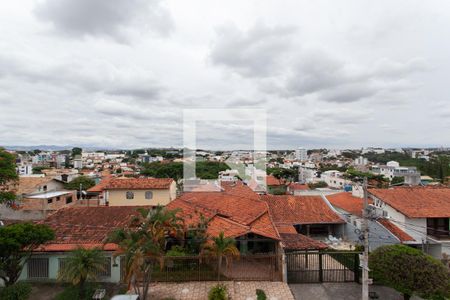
85 226
273 181
101 185
417 202
139 183
295 241
348 202
236 210
295 186
287 209
395 230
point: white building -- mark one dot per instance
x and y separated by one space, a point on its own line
24 169
306 174
361 161
301 154
392 169
334 179
422 214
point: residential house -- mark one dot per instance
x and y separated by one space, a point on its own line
335 179
86 227
381 231
240 213
308 215
392 169
421 212
294 187
36 197
139 191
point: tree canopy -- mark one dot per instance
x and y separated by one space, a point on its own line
410 271
204 169
17 241
7 174
85 181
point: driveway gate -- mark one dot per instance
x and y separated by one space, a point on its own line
326 266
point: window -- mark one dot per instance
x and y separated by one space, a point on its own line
38 268
148 195
130 195
49 200
58 198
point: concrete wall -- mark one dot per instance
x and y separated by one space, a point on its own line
54 268
7 213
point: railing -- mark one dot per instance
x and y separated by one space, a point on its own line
197 268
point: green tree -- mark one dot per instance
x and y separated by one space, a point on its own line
221 247
85 181
80 266
8 175
410 271
143 243
76 151
17 243
397 180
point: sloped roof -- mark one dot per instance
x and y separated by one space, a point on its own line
98 188
348 202
296 241
288 209
395 230
28 185
86 226
417 202
138 183
273 181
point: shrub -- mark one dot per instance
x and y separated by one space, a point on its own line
260 295
17 291
176 251
218 292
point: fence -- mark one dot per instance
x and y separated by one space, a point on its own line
327 266
195 268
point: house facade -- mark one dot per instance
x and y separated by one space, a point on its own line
139 191
422 213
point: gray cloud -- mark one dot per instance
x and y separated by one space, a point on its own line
106 18
256 52
334 80
92 76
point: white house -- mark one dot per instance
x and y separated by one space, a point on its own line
334 179
421 212
301 154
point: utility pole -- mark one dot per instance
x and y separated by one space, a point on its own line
365 260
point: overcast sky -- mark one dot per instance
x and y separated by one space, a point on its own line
329 73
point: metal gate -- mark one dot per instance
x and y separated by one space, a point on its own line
327 266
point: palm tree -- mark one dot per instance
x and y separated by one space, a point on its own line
221 247
82 265
143 243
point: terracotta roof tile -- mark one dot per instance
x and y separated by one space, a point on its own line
395 230
273 181
98 188
348 202
417 202
138 183
86 225
287 209
236 210
296 241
